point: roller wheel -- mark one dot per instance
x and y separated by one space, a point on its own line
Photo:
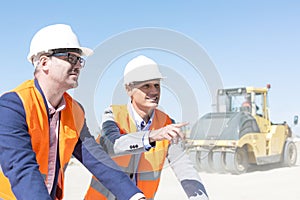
193 158
219 162
237 162
204 160
289 154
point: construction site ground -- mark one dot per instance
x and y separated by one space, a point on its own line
268 182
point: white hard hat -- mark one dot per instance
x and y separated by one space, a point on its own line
141 68
57 36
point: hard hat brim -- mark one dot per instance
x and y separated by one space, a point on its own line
84 52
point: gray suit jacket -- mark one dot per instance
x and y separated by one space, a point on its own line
117 144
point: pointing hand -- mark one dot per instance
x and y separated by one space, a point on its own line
171 132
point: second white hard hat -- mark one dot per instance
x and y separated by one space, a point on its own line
141 68
57 36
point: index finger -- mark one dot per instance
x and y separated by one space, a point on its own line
179 125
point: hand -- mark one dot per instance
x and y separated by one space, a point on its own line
138 196
171 132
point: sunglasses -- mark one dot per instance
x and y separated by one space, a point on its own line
71 58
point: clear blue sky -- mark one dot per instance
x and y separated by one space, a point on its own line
251 43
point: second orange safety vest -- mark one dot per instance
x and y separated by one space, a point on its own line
150 163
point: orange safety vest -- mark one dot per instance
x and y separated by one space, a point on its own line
71 123
150 163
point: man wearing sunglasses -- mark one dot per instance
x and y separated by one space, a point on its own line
42 126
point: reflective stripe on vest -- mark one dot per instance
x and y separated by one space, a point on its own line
71 123
150 163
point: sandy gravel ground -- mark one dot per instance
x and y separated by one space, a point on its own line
265 183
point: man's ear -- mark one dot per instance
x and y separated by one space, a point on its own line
44 62
128 89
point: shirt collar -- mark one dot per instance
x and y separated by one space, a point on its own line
140 123
60 107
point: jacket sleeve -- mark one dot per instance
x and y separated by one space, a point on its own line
98 162
186 173
17 159
116 143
